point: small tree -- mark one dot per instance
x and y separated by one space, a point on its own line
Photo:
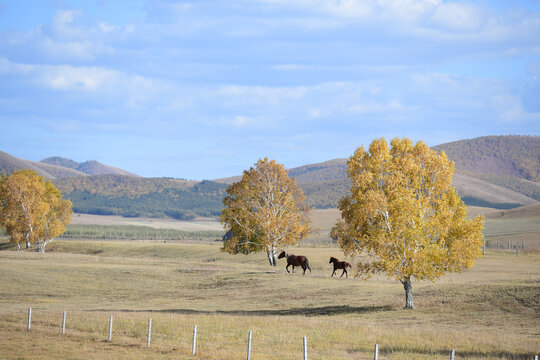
31 210
264 211
404 214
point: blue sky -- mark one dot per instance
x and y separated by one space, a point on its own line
203 89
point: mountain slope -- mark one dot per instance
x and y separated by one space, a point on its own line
91 167
8 163
513 155
57 167
510 161
136 196
493 171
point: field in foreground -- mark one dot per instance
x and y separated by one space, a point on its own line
489 312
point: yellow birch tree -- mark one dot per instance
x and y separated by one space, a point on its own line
264 211
404 216
31 210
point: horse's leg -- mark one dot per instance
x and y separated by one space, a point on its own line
287 268
304 268
344 272
333 272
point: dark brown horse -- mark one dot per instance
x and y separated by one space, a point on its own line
340 265
295 260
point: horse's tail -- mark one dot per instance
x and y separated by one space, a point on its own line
348 264
307 264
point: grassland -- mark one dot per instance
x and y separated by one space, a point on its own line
489 312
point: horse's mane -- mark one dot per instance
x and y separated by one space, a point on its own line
333 258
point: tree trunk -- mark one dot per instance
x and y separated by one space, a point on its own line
409 304
42 247
272 256
18 246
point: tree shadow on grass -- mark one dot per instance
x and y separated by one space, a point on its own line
499 354
305 311
6 245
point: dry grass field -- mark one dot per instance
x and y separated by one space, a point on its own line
197 224
489 312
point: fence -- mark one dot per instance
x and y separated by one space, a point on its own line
246 353
506 246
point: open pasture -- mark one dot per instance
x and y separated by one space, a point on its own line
489 312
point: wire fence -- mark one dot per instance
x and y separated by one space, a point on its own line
189 340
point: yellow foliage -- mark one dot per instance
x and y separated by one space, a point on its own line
32 210
403 213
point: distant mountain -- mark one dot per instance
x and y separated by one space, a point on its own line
137 196
511 161
500 172
9 163
511 155
91 167
57 167
493 171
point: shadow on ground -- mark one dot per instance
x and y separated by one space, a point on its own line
7 246
458 354
305 311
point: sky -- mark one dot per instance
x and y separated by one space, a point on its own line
203 89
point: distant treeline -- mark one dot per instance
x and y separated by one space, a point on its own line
132 232
203 199
473 201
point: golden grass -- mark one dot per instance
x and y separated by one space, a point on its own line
489 312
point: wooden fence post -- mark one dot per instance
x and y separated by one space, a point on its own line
249 347
376 352
452 354
305 348
194 339
110 328
29 318
64 323
149 332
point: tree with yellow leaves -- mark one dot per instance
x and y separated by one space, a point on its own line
404 215
32 211
264 211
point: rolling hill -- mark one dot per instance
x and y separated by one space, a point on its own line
57 167
494 171
91 167
511 161
137 196
499 172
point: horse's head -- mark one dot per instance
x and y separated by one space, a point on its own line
282 255
333 260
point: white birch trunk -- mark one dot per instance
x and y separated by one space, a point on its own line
45 242
409 303
271 252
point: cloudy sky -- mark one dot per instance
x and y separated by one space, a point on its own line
203 89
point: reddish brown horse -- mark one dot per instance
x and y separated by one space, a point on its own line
295 260
340 265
